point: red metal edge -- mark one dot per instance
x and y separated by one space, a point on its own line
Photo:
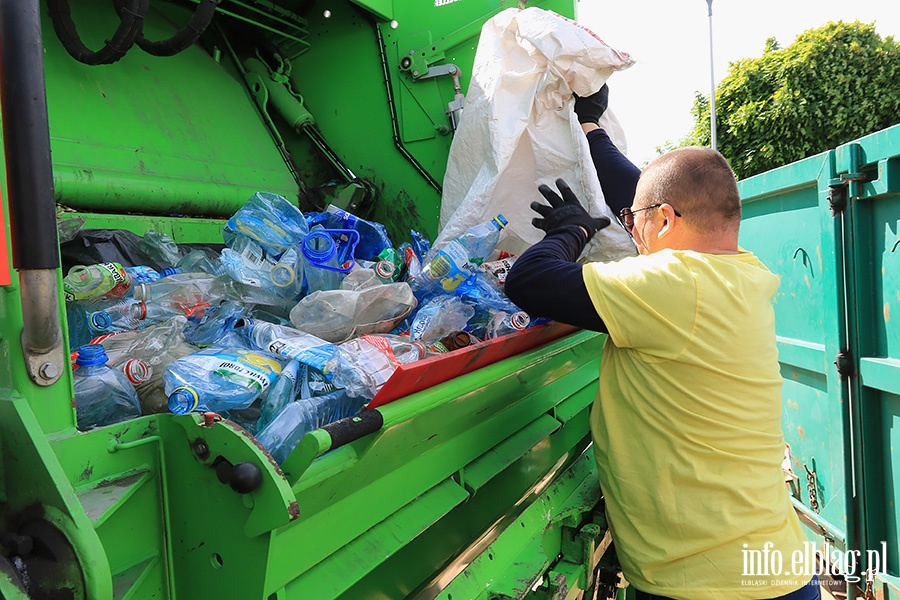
423 374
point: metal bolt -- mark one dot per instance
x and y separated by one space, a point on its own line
201 449
49 370
415 73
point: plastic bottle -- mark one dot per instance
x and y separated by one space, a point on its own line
87 320
327 260
440 317
103 396
103 280
298 418
292 343
67 229
136 370
367 362
197 261
160 247
219 378
206 329
373 237
460 258
504 323
143 274
280 394
287 274
186 292
271 220
451 342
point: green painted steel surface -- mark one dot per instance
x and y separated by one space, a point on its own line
840 294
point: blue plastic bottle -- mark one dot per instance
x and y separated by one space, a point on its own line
458 260
280 394
373 237
103 395
271 220
218 379
88 320
298 418
328 257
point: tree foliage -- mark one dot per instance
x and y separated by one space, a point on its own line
832 85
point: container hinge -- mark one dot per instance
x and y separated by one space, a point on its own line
812 485
837 196
844 364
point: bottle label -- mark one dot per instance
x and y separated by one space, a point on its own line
242 366
452 265
317 357
114 283
498 268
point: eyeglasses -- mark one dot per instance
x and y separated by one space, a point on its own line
626 215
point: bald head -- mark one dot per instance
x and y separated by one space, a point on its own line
699 184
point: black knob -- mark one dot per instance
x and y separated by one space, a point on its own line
245 477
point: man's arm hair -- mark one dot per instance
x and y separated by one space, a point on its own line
545 281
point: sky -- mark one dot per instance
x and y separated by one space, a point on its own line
669 40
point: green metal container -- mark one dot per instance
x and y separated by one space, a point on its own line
828 226
478 487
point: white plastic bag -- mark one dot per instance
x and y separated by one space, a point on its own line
519 130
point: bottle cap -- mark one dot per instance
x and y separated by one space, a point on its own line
91 355
318 247
101 321
137 371
500 222
385 269
519 319
183 400
169 271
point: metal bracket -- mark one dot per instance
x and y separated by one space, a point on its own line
837 196
844 364
455 106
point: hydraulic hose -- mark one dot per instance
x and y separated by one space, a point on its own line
186 36
131 22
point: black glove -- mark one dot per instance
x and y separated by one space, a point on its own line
564 211
591 108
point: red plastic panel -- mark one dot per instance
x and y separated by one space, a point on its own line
4 251
431 371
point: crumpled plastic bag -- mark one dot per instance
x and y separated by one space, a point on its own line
519 130
362 305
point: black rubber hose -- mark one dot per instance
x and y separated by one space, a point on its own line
26 137
184 37
130 25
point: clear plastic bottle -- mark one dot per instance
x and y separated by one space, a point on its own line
103 280
367 362
137 370
298 418
373 237
87 320
206 329
441 316
182 291
197 261
218 379
287 274
160 247
280 394
270 220
459 259
503 323
292 343
326 261
103 396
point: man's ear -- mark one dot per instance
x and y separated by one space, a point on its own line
671 221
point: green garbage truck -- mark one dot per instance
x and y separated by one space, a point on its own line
475 481
473 475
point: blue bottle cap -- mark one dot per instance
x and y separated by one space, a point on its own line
183 400
101 321
500 222
91 355
319 247
169 271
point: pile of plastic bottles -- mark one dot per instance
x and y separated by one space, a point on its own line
297 322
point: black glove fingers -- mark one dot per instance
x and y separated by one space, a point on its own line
538 223
541 209
568 195
551 196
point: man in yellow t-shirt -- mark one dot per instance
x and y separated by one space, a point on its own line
687 420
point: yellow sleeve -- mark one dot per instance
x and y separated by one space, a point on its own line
648 303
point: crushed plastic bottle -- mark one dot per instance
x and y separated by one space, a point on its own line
367 362
198 261
136 370
361 305
503 323
143 274
160 247
182 293
270 220
67 229
209 327
291 343
287 274
87 320
298 418
373 237
103 395
439 317
280 394
218 379
103 280
459 259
